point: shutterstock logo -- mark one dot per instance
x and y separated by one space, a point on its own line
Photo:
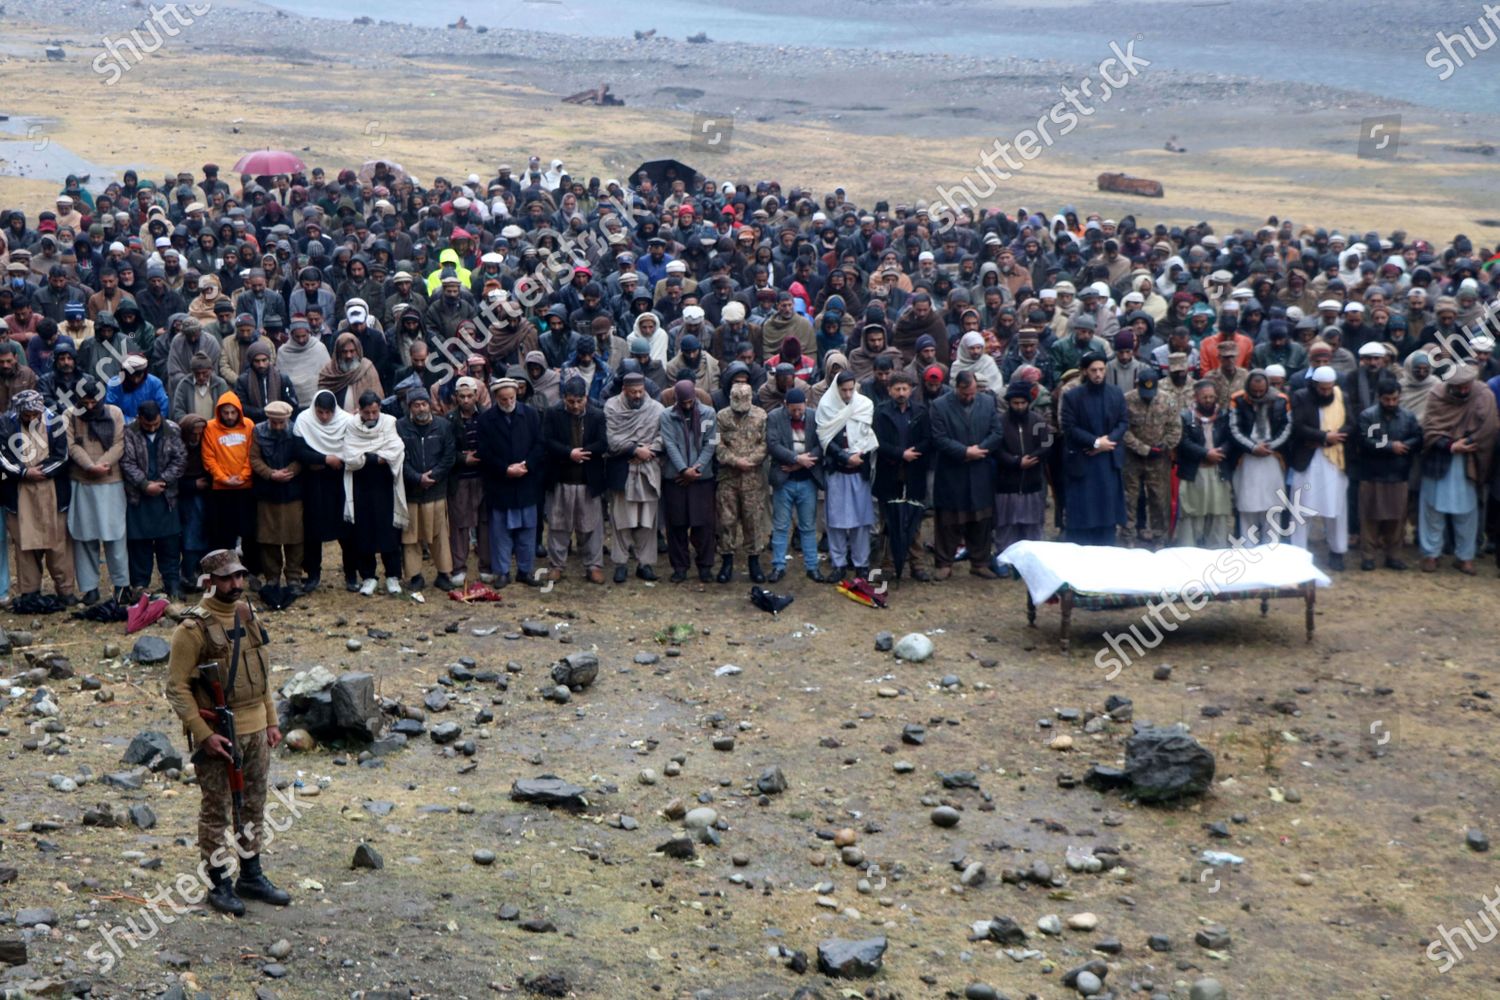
711 133
1379 137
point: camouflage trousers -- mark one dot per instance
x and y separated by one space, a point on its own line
743 514
216 810
1151 477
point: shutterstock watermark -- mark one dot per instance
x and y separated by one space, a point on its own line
1228 568
711 132
1459 942
188 888
126 51
1379 137
1112 76
1445 58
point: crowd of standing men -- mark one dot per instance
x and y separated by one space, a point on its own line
536 370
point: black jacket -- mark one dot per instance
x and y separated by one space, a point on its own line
1377 432
1193 446
892 472
55 466
503 441
430 448
780 447
557 435
1307 432
1032 435
961 484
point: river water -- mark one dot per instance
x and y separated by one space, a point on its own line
1396 67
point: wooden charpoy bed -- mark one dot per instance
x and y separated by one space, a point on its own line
1108 578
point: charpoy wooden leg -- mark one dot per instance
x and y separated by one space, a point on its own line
1066 603
1310 591
1030 611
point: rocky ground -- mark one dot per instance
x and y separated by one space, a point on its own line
752 788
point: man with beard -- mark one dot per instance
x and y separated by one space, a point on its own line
188 341
741 496
102 354
221 629
467 516
577 442
1362 389
773 390
689 437
1389 437
966 431
35 493
1205 505
300 360
512 452
1320 483
158 302
633 423
1260 423
14 378
1021 459
872 345
261 384
96 517
1457 450
232 355
920 318
876 388
152 463
904 434
134 386
1093 421
277 487
430 455
199 392
1155 426
349 375
374 495
226 460
256 302
691 357
556 340
59 385
783 324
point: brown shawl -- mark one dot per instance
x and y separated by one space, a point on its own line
1448 419
361 377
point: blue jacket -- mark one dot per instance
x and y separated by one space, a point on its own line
130 401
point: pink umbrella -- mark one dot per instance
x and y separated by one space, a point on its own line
269 161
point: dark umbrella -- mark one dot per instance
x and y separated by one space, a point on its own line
664 172
902 528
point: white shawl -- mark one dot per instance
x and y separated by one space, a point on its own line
983 368
325 439
659 339
383 441
856 416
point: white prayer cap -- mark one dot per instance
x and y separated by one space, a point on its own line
1324 374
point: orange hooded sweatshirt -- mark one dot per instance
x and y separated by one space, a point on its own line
226 450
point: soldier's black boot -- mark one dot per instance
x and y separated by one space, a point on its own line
253 884
726 570
221 897
757 575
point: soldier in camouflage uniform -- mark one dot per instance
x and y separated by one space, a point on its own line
207 635
1181 396
742 495
1155 428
